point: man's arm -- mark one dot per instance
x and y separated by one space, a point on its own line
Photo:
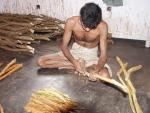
103 46
66 40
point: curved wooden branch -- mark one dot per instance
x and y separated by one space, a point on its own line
131 90
133 69
119 75
114 82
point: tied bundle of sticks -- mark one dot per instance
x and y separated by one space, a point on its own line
1 109
124 83
50 101
9 69
18 32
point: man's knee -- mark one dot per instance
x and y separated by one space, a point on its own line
104 72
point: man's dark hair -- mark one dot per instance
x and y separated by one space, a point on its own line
91 15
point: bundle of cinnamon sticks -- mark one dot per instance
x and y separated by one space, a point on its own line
50 100
18 32
124 83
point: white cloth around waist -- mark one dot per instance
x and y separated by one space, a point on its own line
88 54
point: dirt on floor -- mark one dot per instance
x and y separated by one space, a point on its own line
94 97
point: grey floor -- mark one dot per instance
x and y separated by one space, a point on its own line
95 97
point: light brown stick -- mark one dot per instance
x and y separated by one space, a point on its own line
114 82
131 90
18 66
1 109
119 75
7 66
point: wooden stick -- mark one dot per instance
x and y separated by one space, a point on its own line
17 50
131 90
114 82
23 42
18 66
133 69
1 109
133 94
9 33
27 38
10 68
7 66
111 81
119 75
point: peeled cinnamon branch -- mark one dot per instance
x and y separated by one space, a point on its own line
131 89
1 64
28 38
114 82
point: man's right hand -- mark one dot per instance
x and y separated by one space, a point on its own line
79 65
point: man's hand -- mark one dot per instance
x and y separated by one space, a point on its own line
93 69
79 65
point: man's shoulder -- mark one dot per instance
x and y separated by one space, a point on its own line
72 20
103 25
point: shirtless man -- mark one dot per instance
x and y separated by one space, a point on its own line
90 32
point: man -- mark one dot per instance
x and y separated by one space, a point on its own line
90 32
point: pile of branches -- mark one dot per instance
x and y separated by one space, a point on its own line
18 32
50 101
124 83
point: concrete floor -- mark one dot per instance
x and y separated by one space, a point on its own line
95 97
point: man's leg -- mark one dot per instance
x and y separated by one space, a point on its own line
54 61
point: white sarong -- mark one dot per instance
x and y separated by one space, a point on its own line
88 54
